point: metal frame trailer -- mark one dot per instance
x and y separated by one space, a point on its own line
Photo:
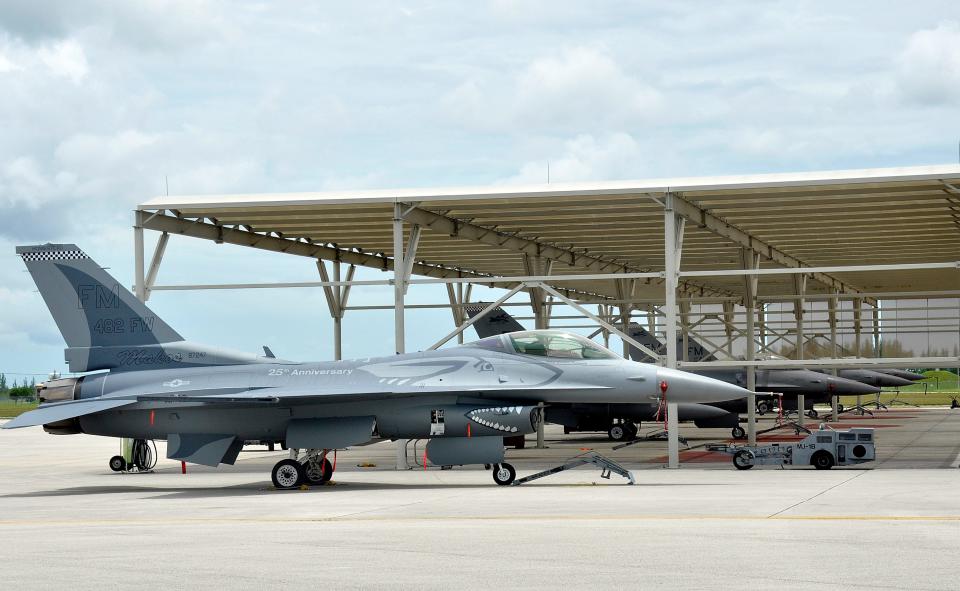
822 449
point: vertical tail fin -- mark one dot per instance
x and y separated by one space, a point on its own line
695 351
104 325
640 334
90 307
497 321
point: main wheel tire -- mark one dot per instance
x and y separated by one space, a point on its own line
821 460
118 464
839 408
812 413
738 432
631 431
504 474
287 474
763 408
617 433
743 460
323 473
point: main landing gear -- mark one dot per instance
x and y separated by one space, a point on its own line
312 468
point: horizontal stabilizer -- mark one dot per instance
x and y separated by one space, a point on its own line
203 448
65 410
330 433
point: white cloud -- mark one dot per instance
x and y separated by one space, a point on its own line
928 69
66 59
585 157
579 89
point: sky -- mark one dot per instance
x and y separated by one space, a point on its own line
104 105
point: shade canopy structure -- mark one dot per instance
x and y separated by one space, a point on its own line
854 236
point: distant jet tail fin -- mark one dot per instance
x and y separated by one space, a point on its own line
695 351
90 307
640 334
495 322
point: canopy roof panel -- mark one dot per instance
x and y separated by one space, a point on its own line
813 219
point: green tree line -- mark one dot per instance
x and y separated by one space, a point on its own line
24 391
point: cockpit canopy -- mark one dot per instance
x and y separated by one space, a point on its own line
546 343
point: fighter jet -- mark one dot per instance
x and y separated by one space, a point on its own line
147 382
902 373
618 420
874 378
815 386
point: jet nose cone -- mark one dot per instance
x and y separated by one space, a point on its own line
889 381
845 387
684 386
902 373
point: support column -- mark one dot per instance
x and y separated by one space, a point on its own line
399 265
800 287
876 330
625 290
337 328
455 295
672 243
538 266
857 325
857 330
336 301
750 260
398 311
728 319
685 330
832 319
139 289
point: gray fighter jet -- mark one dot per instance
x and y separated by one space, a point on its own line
902 373
150 383
874 378
815 386
618 420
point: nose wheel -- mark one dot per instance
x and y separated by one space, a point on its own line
504 474
622 431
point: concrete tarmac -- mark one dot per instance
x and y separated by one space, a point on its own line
67 521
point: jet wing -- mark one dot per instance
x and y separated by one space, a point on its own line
51 413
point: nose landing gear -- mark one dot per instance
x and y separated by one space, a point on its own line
504 474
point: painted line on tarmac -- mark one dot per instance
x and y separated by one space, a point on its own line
479 518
